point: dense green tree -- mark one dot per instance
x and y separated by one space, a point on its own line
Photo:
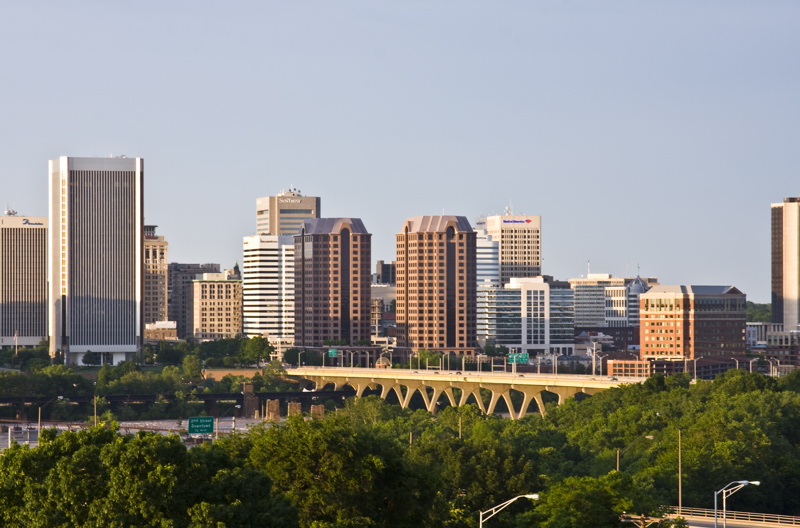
257 349
758 313
338 476
98 478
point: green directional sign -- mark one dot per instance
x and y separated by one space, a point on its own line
201 424
521 357
332 352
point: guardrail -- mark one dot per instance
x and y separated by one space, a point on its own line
739 516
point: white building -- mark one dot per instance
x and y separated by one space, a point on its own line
268 287
534 315
23 280
95 257
487 260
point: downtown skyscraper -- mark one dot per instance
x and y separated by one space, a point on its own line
786 263
436 283
95 257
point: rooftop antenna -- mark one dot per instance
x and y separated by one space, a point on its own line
588 267
10 211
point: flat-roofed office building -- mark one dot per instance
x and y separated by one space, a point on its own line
520 244
156 263
285 213
179 295
216 306
23 280
95 257
332 282
786 263
436 283
268 287
684 322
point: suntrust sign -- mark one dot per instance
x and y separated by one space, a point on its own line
288 200
516 221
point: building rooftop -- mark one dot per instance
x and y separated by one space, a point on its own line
437 224
692 289
324 226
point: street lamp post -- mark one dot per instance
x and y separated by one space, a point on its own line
496 509
621 451
39 423
299 355
216 420
751 363
695 366
727 491
680 468
737 362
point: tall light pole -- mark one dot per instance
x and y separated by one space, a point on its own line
751 363
39 424
680 468
620 451
727 491
496 509
216 420
695 366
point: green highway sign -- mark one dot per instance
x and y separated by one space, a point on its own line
332 352
201 424
521 357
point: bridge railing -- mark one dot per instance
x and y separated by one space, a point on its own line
739 516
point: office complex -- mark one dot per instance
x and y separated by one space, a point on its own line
179 286
534 315
519 239
332 282
95 257
23 280
689 322
268 287
605 301
216 306
285 213
786 263
436 283
154 303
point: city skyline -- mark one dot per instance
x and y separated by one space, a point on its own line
647 137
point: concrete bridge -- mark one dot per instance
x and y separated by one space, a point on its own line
432 384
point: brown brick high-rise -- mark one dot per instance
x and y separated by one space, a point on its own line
436 285
332 281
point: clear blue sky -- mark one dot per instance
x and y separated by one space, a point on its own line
649 133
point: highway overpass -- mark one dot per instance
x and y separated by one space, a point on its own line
459 387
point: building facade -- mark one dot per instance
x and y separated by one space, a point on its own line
179 292
23 280
534 315
285 213
436 285
605 301
519 240
216 301
786 263
332 282
95 257
156 263
487 260
689 322
268 287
